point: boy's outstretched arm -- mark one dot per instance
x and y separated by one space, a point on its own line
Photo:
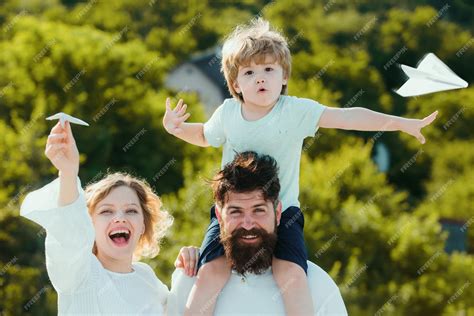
174 123
362 119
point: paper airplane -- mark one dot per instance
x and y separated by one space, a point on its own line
63 117
431 75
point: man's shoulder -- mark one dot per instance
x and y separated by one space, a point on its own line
320 278
325 291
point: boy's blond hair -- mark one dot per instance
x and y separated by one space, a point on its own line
157 221
252 42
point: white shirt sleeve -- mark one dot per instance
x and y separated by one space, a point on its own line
214 128
305 115
181 286
70 235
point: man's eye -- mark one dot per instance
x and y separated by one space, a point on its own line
132 211
259 210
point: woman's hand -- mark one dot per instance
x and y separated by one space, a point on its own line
188 260
62 151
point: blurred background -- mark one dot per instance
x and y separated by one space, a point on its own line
390 219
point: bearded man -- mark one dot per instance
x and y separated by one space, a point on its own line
248 213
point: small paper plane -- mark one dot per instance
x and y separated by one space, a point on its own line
431 75
63 117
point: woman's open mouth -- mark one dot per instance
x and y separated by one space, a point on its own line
120 237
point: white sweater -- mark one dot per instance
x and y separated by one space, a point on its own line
83 285
259 294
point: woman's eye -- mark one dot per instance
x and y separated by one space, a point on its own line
132 211
105 212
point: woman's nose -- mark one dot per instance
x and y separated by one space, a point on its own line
119 218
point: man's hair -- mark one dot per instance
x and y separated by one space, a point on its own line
248 172
252 42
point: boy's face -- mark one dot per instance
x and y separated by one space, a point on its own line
260 84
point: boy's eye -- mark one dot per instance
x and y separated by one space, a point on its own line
268 69
248 72
105 212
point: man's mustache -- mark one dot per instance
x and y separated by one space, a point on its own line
241 232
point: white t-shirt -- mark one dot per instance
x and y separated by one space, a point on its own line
279 134
258 294
83 285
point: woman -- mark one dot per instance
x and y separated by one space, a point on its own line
94 237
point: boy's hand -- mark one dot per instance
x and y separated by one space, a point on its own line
188 260
173 119
413 127
61 149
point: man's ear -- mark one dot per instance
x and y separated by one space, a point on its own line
278 213
218 214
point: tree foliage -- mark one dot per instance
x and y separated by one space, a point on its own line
377 234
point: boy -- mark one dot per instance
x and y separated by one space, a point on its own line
256 63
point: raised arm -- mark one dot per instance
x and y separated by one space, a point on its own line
174 123
362 119
62 151
60 208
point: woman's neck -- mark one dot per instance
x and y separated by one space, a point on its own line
115 265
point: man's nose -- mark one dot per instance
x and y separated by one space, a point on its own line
248 222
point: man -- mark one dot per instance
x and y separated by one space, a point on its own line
248 212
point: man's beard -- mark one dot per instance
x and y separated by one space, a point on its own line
249 257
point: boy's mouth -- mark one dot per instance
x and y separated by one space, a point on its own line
120 237
261 90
